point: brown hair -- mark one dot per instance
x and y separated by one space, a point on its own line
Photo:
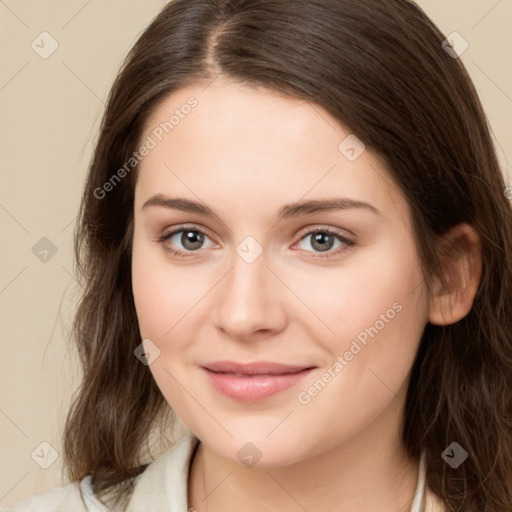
379 67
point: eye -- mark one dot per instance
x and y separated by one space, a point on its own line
191 239
323 240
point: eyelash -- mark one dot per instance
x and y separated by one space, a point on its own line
186 227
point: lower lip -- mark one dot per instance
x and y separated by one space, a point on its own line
254 387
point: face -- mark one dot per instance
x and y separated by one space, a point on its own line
252 265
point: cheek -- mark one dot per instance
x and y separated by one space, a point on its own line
161 303
379 326
378 312
166 295
152 291
379 294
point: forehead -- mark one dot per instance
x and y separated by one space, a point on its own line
258 145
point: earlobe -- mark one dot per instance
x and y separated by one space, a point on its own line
461 260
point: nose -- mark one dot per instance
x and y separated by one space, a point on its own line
249 301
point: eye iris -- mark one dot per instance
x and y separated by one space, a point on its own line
192 237
322 238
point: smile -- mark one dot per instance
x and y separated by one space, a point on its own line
253 382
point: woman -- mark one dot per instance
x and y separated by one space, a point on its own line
294 237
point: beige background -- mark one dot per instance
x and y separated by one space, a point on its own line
50 113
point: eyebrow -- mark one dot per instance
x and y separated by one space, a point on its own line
287 211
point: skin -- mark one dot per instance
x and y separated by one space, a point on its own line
245 152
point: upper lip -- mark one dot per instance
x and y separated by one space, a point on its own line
254 368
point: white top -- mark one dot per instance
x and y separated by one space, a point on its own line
162 487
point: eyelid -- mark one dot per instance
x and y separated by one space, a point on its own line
325 228
186 227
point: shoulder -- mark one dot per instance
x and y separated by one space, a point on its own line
58 499
161 486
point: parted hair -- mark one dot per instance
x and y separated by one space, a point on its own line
379 67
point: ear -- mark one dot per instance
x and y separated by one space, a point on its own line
461 260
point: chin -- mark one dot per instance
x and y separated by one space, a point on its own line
251 442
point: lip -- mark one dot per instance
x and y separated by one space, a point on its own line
249 382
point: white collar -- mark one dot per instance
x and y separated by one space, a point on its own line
418 503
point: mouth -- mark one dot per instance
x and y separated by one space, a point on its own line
254 368
252 382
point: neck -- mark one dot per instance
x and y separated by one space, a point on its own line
368 472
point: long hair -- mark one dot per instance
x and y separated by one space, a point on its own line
378 66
